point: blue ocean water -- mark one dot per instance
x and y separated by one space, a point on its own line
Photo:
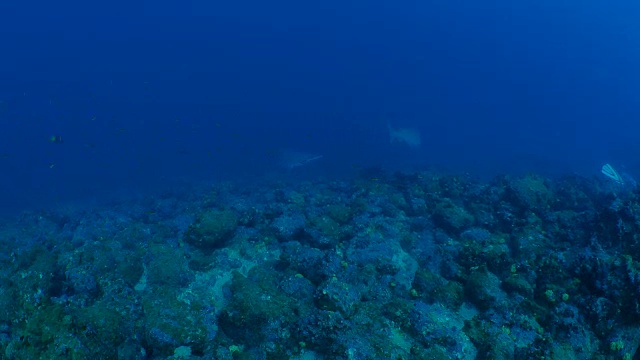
333 180
148 93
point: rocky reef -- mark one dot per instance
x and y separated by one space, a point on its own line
398 266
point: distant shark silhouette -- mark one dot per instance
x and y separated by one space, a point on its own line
290 159
408 136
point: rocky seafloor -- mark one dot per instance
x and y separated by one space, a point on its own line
385 266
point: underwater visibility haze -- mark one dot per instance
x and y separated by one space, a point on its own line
329 180
147 94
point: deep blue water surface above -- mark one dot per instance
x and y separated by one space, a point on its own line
149 94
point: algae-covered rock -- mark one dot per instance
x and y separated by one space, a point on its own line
427 283
171 322
325 226
451 216
518 284
493 343
531 192
212 229
103 326
340 213
167 267
483 288
256 301
482 248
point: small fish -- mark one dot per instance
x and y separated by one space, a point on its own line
57 139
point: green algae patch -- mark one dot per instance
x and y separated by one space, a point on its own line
212 229
451 216
340 213
256 300
327 226
40 332
168 267
483 288
532 192
171 322
426 284
103 326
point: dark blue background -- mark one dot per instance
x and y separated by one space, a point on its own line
152 93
